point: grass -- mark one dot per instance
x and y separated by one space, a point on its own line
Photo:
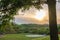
22 37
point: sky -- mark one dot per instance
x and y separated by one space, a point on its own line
34 16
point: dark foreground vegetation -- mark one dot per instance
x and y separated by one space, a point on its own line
28 28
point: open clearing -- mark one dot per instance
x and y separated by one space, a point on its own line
23 37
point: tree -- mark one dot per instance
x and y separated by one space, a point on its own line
6 14
8 9
52 19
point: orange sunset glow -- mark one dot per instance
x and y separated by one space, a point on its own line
35 16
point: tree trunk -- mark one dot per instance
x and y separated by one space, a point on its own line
52 20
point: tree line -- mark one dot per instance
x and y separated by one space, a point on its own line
28 28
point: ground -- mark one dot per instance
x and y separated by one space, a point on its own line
22 37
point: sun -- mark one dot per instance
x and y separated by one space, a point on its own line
40 15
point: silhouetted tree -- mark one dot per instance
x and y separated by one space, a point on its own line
52 19
8 10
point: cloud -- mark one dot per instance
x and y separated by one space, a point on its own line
26 17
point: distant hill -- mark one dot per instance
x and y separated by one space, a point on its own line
34 25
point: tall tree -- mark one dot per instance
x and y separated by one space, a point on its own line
8 8
52 19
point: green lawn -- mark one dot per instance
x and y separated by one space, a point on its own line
21 37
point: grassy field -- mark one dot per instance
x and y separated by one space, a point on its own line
21 37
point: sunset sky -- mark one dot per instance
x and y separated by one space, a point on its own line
35 16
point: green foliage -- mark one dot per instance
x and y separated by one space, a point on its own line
59 29
31 28
8 9
28 28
